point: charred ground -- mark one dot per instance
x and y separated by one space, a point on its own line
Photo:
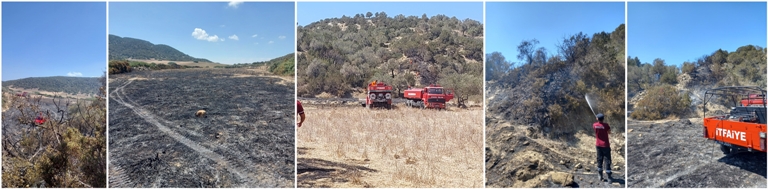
246 139
692 162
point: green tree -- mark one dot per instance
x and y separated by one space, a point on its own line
464 85
526 50
495 66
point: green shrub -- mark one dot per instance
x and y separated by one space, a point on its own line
661 102
119 66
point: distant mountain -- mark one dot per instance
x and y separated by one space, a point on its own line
72 85
121 48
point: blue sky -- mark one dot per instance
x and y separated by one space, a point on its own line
309 12
264 30
54 39
678 32
509 23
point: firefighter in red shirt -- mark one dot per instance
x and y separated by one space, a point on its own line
300 111
603 147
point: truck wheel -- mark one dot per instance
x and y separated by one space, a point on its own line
726 150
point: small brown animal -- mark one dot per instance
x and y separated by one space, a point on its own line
200 113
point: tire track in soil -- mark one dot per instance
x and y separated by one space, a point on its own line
246 177
118 178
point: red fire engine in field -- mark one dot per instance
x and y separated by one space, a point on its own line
379 94
433 96
744 127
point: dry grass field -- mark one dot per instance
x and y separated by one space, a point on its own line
350 146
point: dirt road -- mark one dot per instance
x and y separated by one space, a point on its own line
674 154
521 156
246 139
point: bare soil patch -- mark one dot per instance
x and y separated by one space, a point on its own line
523 156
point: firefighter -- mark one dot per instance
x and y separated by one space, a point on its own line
603 147
374 82
300 111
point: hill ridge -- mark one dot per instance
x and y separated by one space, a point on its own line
123 48
66 84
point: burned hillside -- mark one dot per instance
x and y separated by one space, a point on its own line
538 122
546 91
685 85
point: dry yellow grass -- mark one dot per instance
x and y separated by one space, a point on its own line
61 94
183 63
406 147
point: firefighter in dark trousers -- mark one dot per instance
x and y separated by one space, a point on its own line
300 111
603 147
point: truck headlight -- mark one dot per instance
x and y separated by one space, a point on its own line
372 96
389 96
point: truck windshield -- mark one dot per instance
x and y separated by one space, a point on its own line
435 91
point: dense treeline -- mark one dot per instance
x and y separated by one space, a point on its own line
71 85
283 65
123 66
67 150
122 48
549 90
744 67
340 55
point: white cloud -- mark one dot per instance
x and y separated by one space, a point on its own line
281 37
75 74
254 35
234 4
234 37
200 34
270 42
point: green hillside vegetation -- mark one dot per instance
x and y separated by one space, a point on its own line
548 90
122 48
123 66
744 67
71 85
283 65
339 55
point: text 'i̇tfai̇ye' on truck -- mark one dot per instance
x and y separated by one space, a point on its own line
433 96
744 127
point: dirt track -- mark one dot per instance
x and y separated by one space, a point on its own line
246 140
674 154
520 156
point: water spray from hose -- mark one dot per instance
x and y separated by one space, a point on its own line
591 102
